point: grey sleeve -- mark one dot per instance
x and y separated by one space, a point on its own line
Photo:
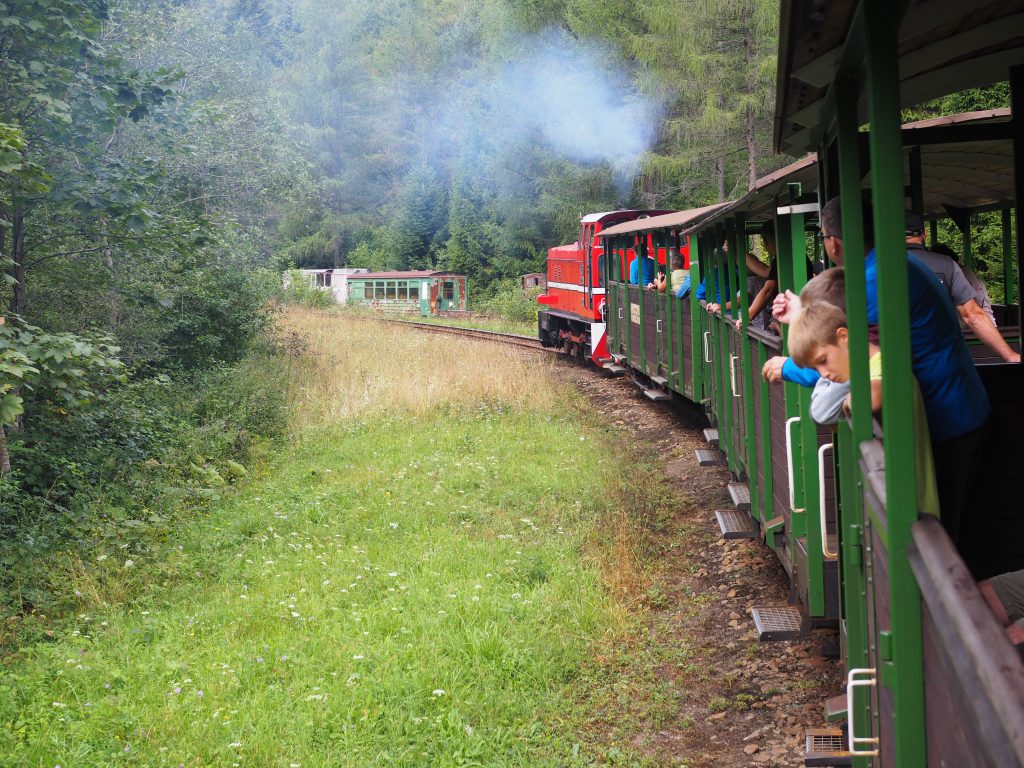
960 289
827 401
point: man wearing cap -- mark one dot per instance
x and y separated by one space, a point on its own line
959 289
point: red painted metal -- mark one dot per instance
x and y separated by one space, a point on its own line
575 287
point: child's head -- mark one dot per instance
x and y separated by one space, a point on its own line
675 260
818 339
829 286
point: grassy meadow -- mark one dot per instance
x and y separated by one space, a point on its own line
417 581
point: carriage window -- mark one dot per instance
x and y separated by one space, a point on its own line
378 291
414 291
390 294
449 291
403 290
323 279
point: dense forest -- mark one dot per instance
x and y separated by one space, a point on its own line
162 161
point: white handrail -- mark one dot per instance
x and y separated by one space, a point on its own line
620 313
707 355
853 681
829 554
732 374
789 458
657 326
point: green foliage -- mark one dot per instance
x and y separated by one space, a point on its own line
510 302
300 292
58 368
120 470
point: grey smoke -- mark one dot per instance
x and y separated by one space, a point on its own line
579 97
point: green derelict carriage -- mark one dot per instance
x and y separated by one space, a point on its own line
424 292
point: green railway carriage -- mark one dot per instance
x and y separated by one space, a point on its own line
933 680
425 292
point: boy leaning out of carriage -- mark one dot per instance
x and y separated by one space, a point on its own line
818 338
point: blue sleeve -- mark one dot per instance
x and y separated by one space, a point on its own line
805 377
871 286
684 289
633 276
702 292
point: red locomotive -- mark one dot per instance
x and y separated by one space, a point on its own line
573 320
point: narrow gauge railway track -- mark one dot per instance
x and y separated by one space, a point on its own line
510 339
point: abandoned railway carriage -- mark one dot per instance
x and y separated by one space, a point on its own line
421 291
574 294
932 679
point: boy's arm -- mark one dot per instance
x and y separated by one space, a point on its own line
805 377
827 401
876 395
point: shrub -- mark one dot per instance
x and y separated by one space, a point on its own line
299 292
511 302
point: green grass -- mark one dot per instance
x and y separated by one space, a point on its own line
401 592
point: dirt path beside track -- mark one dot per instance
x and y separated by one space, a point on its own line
723 698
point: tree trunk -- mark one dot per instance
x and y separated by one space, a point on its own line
19 295
5 457
720 163
748 128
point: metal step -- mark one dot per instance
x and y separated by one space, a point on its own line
657 394
711 435
779 622
737 525
614 368
661 381
835 708
710 457
618 358
775 533
740 495
826 746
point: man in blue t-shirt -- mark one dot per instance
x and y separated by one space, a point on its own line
634 278
954 397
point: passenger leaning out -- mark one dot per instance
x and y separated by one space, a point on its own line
819 339
959 289
955 400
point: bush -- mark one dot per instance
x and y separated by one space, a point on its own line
115 472
299 292
511 302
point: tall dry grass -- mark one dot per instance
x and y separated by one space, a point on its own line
343 366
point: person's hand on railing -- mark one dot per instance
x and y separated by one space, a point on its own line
713 309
